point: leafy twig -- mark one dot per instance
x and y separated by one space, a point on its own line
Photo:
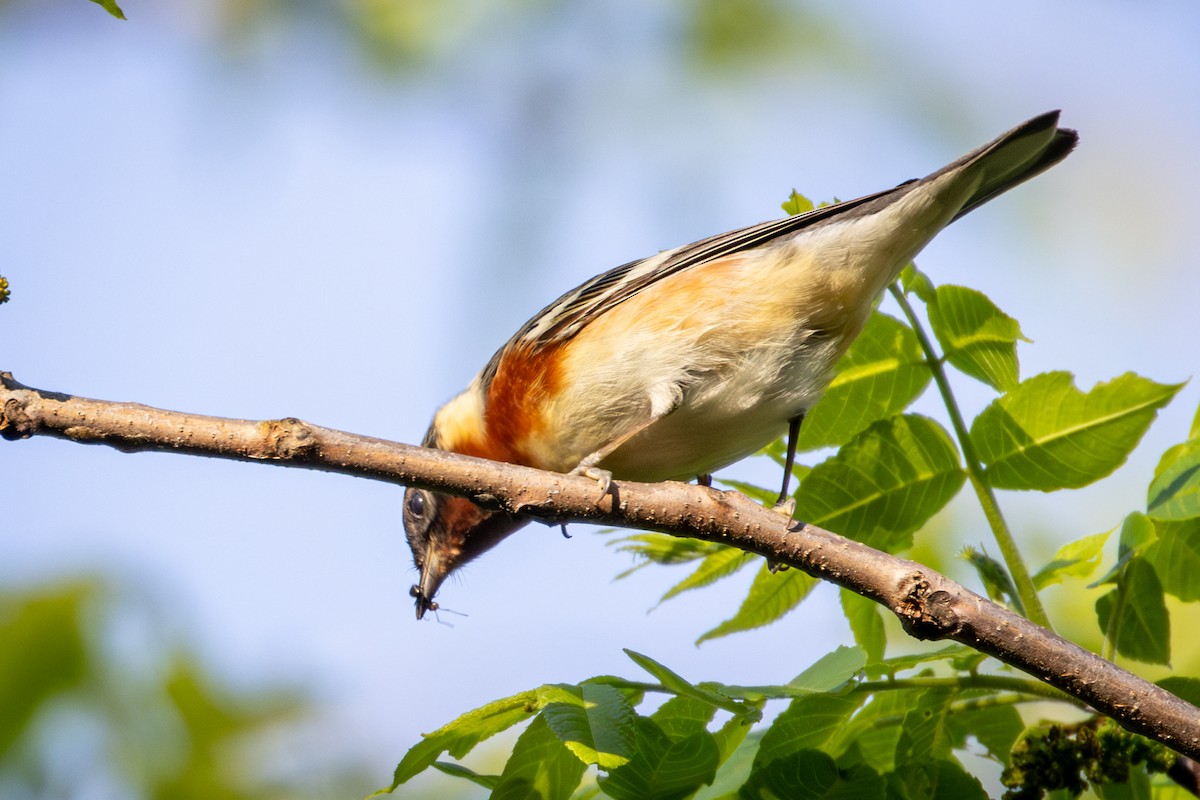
1026 590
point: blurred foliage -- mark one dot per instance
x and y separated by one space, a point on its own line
394 35
111 7
398 36
720 34
82 719
41 653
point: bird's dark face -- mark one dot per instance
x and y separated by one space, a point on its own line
446 532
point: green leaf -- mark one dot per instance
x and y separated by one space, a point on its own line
460 736
683 715
772 595
910 660
874 733
662 548
809 722
634 693
1134 617
766 497
1045 434
1175 492
866 623
813 775
995 578
925 735
801 776
663 769
1180 450
539 767
1185 688
969 661
1077 559
730 736
831 670
885 483
680 686
913 281
944 779
734 770
797 204
976 336
594 721
488 782
737 748
995 727
1175 556
716 565
111 7
1136 788
881 374
1138 533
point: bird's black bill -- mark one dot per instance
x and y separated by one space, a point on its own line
423 603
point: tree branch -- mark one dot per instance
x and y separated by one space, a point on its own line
929 605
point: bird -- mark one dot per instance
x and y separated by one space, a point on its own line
674 366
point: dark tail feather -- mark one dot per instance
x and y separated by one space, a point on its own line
1027 150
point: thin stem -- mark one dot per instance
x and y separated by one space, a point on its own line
970 704
1017 689
1018 686
1026 591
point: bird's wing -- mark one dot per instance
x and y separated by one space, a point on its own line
569 314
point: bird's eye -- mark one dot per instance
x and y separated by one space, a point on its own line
416 505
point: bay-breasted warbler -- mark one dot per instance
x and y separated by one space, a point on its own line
677 365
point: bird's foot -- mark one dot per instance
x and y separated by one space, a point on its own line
785 506
601 476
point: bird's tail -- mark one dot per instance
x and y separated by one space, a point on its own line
1013 158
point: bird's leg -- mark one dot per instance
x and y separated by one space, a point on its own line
587 467
787 505
704 480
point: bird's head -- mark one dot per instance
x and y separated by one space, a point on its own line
446 532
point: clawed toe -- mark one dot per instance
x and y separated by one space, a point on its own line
601 476
786 507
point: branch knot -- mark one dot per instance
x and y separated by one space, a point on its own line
926 613
15 423
288 438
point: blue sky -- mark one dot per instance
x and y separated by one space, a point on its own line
272 229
